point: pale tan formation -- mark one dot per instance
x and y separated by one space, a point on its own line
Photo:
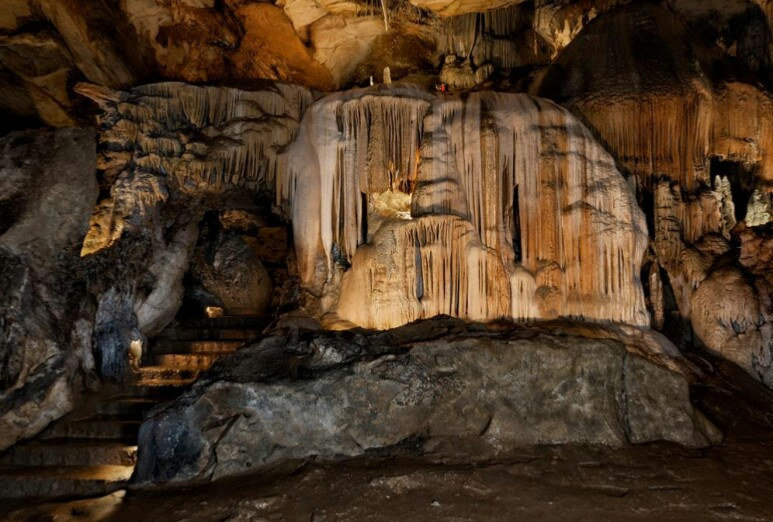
515 211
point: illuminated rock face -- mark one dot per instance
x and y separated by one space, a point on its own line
515 210
701 154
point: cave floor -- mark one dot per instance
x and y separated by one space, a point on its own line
665 482
731 481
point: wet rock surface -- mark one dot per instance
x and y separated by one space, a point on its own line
466 394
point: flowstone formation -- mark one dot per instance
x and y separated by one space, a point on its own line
700 149
485 206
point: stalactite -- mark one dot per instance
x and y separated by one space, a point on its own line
360 141
197 141
502 37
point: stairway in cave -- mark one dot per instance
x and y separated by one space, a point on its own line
92 450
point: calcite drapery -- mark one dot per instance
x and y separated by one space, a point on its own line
352 142
701 153
517 211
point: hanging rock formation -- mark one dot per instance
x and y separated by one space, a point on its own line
515 211
166 140
168 153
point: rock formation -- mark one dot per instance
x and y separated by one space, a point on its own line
169 152
231 271
699 165
473 394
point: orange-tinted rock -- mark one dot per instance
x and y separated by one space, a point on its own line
270 48
40 69
515 210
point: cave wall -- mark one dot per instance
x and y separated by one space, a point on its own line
48 188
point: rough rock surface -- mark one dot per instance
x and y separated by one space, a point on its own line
433 387
168 153
232 272
48 187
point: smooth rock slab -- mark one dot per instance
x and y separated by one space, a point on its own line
465 397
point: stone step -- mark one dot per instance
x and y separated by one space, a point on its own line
167 376
72 452
196 346
62 481
125 406
189 361
102 427
208 334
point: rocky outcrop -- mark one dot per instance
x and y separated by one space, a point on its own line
48 187
340 43
498 222
434 388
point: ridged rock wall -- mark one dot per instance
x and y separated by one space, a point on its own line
48 187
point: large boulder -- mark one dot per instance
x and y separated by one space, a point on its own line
48 188
732 317
436 387
231 270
